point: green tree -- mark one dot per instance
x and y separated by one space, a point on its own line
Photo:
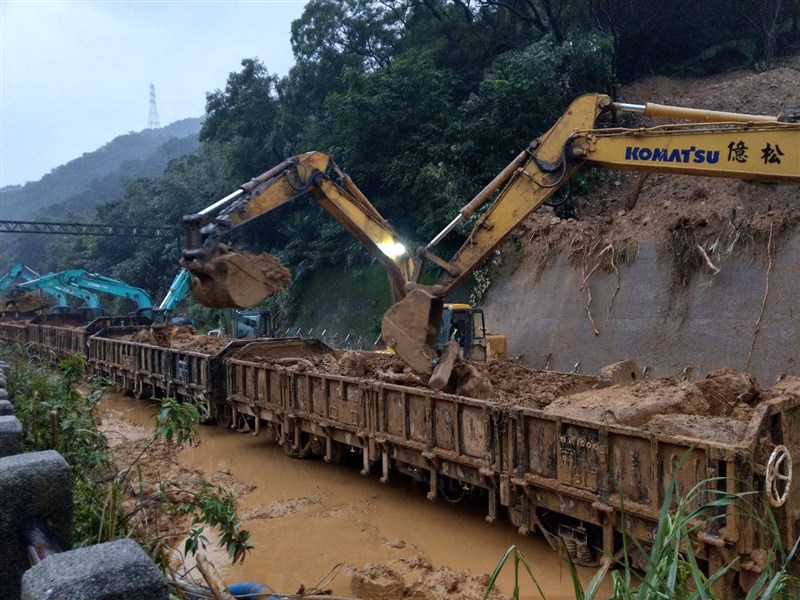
241 119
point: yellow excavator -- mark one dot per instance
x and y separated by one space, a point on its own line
223 278
712 143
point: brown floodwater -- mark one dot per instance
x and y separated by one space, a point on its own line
311 516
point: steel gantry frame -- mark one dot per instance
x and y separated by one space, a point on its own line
90 229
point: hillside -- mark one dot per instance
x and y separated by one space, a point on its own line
79 185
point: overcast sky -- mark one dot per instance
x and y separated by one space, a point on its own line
75 74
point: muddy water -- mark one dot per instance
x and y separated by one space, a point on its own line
305 517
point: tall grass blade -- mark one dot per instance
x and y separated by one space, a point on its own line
530 573
497 570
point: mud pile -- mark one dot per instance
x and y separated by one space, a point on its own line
414 577
718 407
23 303
503 382
179 337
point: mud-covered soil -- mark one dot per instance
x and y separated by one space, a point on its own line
277 349
129 447
236 279
504 382
179 337
414 577
679 212
718 407
157 481
66 320
15 320
23 303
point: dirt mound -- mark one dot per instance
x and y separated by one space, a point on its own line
519 385
503 382
269 351
415 578
179 337
236 279
719 429
786 386
718 407
727 387
633 405
680 213
23 303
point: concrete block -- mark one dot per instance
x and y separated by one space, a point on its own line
10 435
112 571
6 408
35 485
625 371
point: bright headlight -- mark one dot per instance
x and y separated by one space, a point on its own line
392 249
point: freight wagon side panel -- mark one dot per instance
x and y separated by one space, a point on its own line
13 332
330 400
445 434
259 390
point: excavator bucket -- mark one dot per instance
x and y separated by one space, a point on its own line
24 303
229 279
411 328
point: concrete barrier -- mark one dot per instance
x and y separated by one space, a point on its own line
112 571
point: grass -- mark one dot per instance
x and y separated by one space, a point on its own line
673 570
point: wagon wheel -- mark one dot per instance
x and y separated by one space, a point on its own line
302 450
222 414
779 476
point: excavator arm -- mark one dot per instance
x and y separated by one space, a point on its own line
221 278
720 144
79 278
20 273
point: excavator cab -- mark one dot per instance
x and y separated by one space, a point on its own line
252 324
465 325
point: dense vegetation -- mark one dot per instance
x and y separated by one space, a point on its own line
421 102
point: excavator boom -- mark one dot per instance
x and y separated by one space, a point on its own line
223 278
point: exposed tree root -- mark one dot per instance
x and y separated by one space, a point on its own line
707 260
763 302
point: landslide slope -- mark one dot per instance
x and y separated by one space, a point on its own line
701 274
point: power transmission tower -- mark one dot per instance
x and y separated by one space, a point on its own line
152 119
